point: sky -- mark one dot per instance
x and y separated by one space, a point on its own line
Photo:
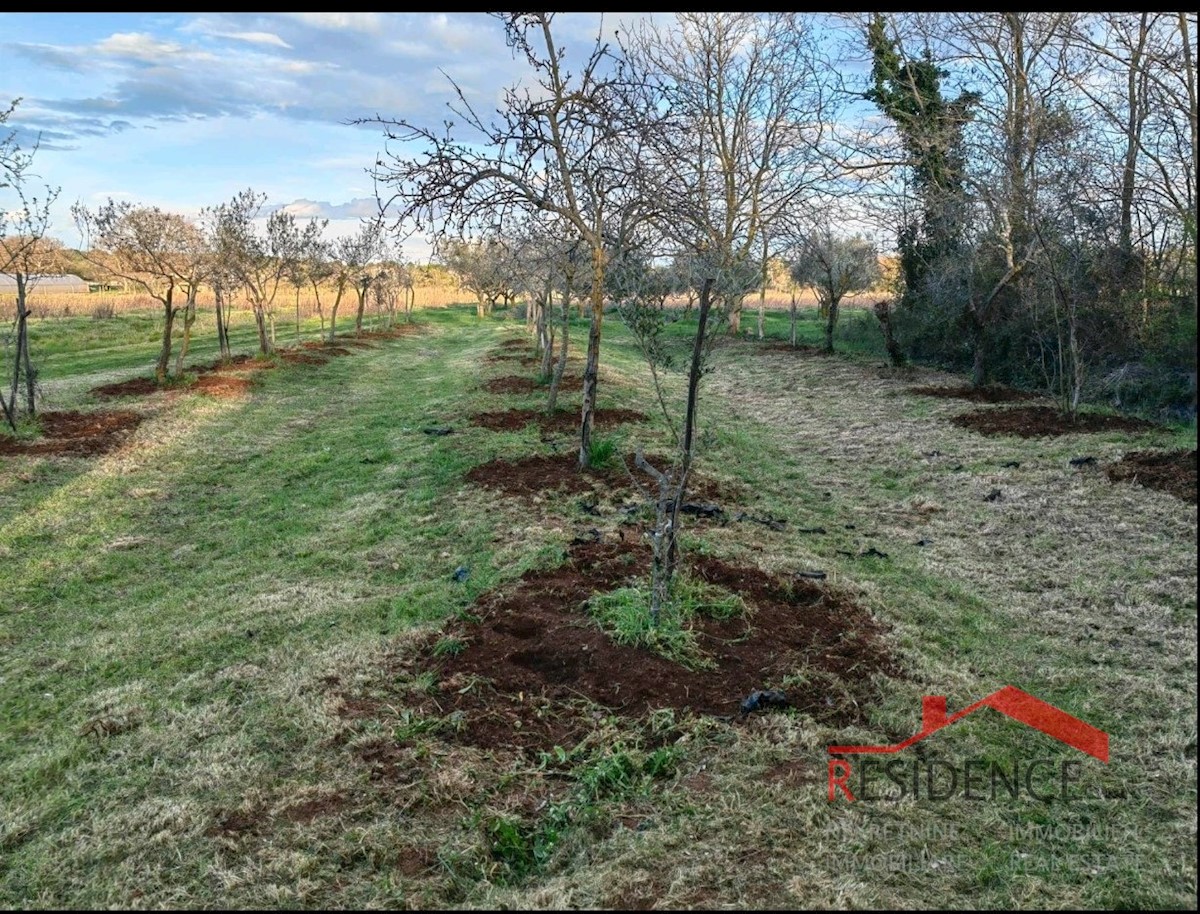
182 111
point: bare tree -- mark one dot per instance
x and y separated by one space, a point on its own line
564 144
757 98
25 253
835 267
157 251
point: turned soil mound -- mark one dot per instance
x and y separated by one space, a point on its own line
134 387
534 661
516 384
292 357
75 434
993 393
1171 471
331 349
222 385
508 420
1045 421
529 476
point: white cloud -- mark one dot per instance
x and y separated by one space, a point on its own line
137 46
342 22
268 38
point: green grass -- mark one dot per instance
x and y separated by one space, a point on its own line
184 625
624 614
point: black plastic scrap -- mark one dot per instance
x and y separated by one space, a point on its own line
461 573
1082 461
438 430
764 698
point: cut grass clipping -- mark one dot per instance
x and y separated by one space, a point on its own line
625 615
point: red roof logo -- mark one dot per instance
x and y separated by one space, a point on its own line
1011 702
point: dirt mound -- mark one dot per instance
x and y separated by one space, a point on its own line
511 358
302 358
515 344
1170 471
74 434
535 653
993 393
237 363
509 420
134 387
1045 421
331 349
224 386
516 384
529 476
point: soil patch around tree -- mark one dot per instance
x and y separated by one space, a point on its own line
530 476
993 393
1045 422
1169 471
70 433
134 387
292 357
533 666
517 384
508 420
223 385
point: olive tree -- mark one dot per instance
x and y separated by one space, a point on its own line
834 267
566 142
159 252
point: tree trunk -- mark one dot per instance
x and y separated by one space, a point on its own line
21 359
164 352
546 332
672 485
222 324
793 316
830 323
189 318
337 300
979 366
320 309
762 293
883 311
297 314
563 343
361 290
260 319
591 369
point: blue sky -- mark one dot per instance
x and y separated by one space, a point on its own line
182 111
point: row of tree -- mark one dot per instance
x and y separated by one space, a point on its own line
1035 169
170 257
236 249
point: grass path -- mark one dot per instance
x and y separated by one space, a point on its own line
172 616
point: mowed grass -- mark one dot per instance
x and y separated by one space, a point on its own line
174 615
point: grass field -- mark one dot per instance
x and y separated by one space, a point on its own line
211 691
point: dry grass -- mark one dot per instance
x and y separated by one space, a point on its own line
44 304
182 708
